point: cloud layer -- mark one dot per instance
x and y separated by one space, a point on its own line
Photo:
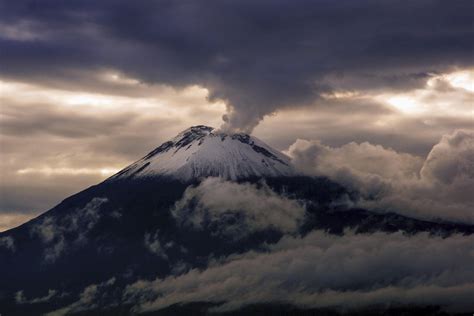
321 270
258 57
439 187
233 210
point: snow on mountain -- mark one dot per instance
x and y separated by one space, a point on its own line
200 151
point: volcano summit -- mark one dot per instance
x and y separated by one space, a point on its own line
200 152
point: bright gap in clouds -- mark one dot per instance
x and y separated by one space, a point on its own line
157 99
405 104
409 121
460 79
69 171
443 95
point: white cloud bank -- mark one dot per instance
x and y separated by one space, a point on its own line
236 210
438 187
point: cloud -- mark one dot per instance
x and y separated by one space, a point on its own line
451 160
438 187
58 121
249 54
8 243
362 166
21 299
236 210
153 244
87 299
321 270
59 233
411 120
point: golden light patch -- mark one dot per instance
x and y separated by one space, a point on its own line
48 171
433 101
461 79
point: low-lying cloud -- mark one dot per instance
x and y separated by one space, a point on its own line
236 210
321 270
20 297
7 243
52 231
89 299
153 244
438 187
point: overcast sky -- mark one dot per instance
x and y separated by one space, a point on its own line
87 87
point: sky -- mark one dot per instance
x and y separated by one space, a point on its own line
378 89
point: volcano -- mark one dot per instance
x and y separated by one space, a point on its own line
198 197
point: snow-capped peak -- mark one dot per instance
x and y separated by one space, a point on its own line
200 151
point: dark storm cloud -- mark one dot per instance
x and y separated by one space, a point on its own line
258 56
